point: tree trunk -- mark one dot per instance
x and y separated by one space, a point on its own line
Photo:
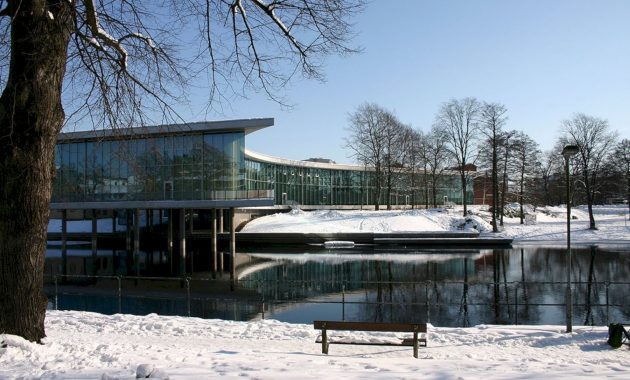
589 200
495 189
389 190
434 189
378 188
463 175
31 116
522 189
504 185
495 185
426 189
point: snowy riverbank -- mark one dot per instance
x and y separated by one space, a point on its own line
545 225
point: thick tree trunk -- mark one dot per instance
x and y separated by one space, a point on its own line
31 117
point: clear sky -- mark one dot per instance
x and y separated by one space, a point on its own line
543 59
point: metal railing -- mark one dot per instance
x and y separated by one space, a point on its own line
504 302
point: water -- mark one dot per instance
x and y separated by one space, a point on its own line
460 287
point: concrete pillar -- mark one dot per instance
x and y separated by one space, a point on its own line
128 217
136 240
182 241
232 245
64 239
94 242
214 242
170 239
220 220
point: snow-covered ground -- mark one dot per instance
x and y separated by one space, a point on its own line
546 224
82 345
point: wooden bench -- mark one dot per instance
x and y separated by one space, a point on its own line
414 328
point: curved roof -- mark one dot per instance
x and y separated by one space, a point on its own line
254 156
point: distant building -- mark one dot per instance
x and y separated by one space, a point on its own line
321 160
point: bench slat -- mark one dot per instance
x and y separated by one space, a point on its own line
369 326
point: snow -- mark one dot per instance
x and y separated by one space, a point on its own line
546 225
363 221
83 345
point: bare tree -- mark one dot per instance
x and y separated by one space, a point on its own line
525 153
367 141
460 121
396 151
437 156
593 138
505 146
492 120
111 63
547 186
416 161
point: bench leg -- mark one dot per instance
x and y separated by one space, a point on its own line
324 342
415 344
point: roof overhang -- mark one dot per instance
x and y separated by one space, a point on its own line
241 125
166 204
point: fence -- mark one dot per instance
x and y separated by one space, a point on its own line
445 303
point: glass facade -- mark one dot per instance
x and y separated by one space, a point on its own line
201 166
167 163
319 186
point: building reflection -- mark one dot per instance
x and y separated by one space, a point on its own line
443 287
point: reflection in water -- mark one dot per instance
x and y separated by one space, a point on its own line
520 286
464 287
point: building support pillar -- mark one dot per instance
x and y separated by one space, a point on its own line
170 239
182 241
129 219
136 239
64 239
232 245
220 220
94 241
213 247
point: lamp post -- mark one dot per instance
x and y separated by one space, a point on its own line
567 153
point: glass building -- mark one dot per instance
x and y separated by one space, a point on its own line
198 165
326 184
205 165
202 171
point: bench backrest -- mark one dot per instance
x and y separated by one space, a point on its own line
370 326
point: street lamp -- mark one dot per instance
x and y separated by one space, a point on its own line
567 153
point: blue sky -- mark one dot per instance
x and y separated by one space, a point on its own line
544 60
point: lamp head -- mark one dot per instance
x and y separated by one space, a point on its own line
570 150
